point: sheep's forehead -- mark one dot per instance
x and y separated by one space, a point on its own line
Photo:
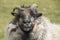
26 11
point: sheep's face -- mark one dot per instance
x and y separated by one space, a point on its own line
26 18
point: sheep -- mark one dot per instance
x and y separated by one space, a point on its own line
32 26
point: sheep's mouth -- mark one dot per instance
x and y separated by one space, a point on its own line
26 27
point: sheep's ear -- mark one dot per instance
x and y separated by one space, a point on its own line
38 15
14 13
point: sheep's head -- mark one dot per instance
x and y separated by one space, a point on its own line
26 15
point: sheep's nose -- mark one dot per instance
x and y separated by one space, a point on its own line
26 21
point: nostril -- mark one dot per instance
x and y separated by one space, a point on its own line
26 21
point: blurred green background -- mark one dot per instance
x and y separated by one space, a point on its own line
50 9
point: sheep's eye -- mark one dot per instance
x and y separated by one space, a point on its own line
21 15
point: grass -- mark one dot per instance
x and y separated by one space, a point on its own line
50 9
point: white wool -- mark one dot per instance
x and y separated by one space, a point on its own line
52 30
43 30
